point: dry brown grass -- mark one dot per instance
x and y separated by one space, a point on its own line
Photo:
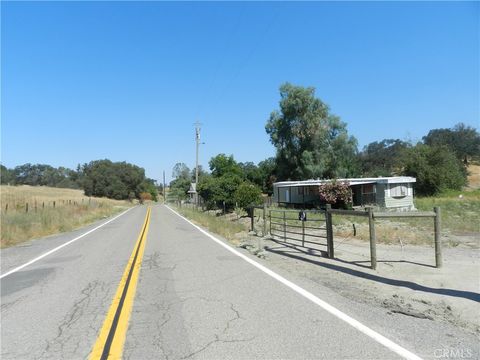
72 210
473 177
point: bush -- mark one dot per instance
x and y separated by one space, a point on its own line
247 194
336 193
145 196
216 190
436 169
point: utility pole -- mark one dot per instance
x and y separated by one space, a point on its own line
197 143
164 189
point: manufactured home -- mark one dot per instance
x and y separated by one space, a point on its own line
390 193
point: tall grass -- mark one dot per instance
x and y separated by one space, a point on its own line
216 224
460 210
69 213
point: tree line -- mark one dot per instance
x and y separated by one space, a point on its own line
101 178
311 142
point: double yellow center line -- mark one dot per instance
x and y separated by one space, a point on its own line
110 341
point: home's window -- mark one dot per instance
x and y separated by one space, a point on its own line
368 189
398 190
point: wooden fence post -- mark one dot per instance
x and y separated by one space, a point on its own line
252 216
43 204
303 232
438 240
54 204
329 225
6 208
270 216
26 207
373 245
264 233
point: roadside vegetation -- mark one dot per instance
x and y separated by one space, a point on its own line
228 227
50 211
311 142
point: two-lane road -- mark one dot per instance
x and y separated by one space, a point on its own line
187 297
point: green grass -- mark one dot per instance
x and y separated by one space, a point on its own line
460 211
216 224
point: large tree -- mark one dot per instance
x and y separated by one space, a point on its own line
383 158
463 140
310 141
435 167
116 180
222 164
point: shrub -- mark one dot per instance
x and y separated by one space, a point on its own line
247 194
436 169
216 190
145 196
336 193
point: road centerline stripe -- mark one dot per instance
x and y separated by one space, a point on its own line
110 341
389 344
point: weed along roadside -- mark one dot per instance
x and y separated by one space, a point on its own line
407 279
32 212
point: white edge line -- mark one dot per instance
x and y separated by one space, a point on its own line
61 246
326 306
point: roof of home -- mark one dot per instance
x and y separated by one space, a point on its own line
352 181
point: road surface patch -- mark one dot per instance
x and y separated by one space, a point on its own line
389 344
110 341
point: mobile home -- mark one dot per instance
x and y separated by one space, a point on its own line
390 193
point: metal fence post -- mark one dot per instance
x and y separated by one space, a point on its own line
373 246
438 240
284 226
329 225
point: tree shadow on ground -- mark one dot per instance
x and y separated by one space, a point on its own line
295 253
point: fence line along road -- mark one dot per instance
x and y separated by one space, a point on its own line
328 212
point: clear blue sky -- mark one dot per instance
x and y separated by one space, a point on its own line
126 81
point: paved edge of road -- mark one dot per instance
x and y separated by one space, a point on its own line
389 344
63 245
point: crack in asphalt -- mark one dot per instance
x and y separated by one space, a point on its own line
57 344
218 336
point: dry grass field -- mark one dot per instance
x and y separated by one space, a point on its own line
29 212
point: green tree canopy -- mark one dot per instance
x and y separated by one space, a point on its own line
383 158
222 165
435 167
310 141
115 180
247 194
463 140
180 170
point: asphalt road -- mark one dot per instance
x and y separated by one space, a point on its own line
194 300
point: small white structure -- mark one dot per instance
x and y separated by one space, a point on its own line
391 193
192 192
